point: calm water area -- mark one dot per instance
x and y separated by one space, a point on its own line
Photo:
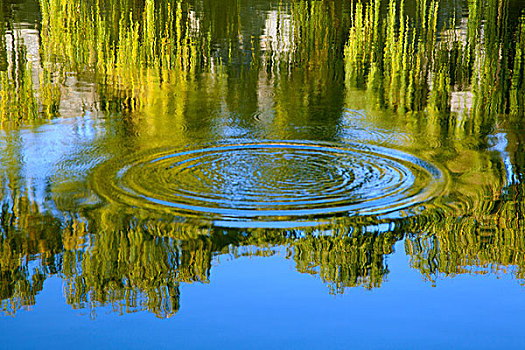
262 174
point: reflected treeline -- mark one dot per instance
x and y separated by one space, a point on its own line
18 101
490 240
432 58
347 257
30 247
142 56
480 231
135 264
195 61
129 48
416 56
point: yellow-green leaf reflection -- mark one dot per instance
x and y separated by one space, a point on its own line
142 142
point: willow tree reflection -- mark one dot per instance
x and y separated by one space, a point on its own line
488 241
30 244
179 72
425 60
139 266
130 48
346 259
17 95
142 266
486 238
307 70
466 74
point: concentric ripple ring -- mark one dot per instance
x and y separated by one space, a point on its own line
271 180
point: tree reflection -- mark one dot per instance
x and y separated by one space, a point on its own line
139 266
488 239
425 59
202 66
348 260
30 244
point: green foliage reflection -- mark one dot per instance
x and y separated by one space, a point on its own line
131 48
18 101
451 78
421 61
491 240
133 264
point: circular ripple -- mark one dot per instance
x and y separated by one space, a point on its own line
270 181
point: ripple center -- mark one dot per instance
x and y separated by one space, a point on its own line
270 181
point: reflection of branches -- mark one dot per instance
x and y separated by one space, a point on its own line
346 261
491 239
26 234
130 269
134 263
129 49
138 264
409 64
22 99
17 97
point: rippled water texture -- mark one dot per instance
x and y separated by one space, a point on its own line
310 174
270 181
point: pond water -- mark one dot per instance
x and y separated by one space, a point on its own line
262 174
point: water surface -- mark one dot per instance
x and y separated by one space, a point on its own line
305 173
